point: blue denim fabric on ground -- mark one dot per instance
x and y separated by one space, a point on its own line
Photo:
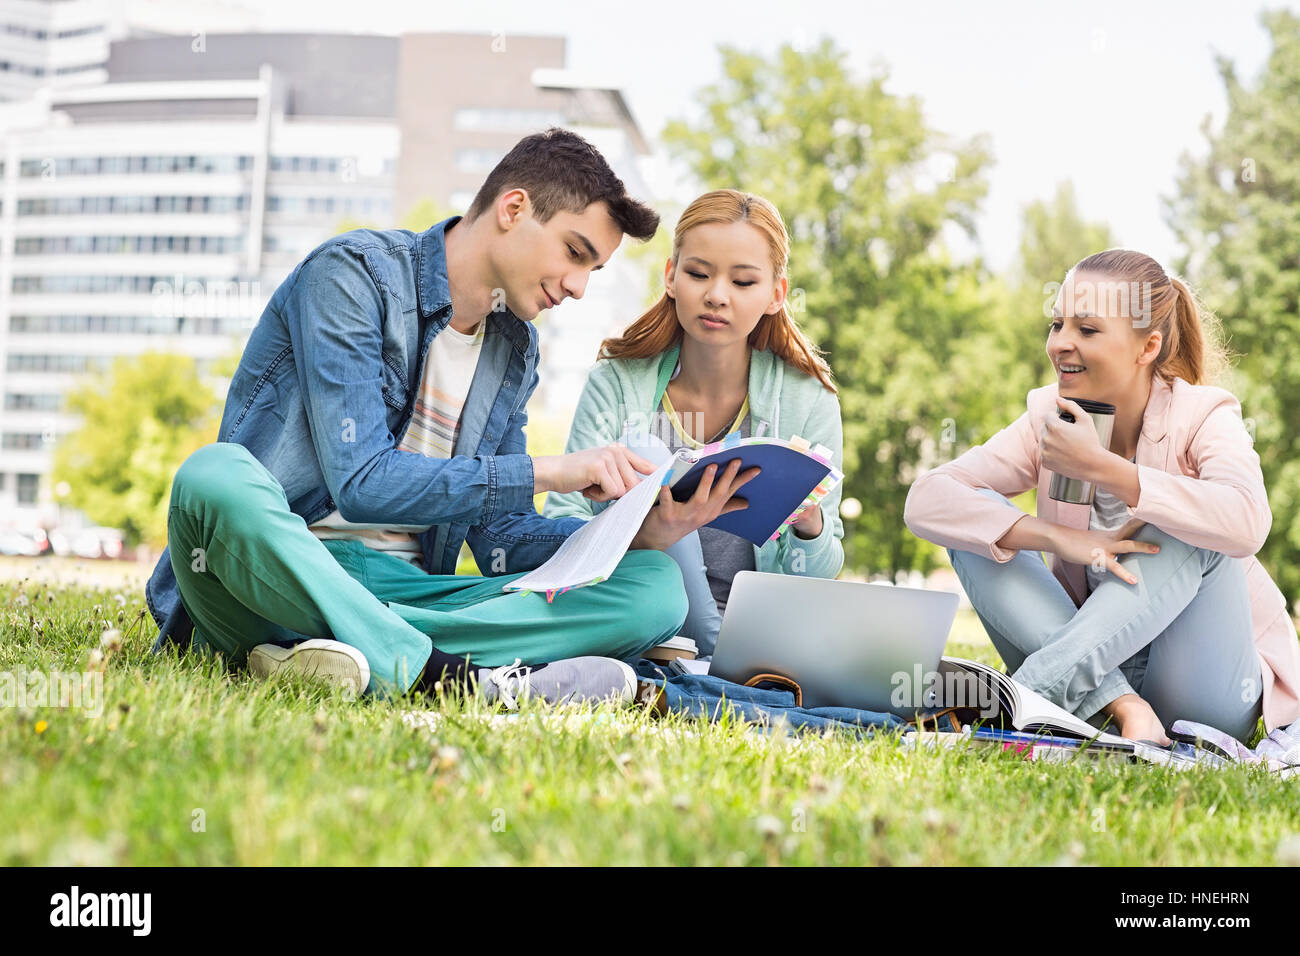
700 695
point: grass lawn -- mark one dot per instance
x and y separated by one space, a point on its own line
185 764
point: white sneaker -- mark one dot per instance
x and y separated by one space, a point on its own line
322 658
567 681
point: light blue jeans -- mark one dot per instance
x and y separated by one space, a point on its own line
1181 638
702 619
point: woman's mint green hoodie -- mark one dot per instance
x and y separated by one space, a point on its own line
785 399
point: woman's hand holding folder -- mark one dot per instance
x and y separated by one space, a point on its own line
669 520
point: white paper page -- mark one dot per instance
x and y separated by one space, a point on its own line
595 549
1033 708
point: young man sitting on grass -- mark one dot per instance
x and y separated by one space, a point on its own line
375 423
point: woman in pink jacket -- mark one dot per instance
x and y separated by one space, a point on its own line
1155 608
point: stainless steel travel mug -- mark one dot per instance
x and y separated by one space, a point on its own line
1073 490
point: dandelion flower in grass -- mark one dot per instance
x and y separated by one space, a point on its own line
111 640
41 726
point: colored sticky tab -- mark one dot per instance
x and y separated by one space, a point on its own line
799 444
708 450
553 593
732 440
821 453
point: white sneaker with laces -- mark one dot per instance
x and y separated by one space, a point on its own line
559 682
321 658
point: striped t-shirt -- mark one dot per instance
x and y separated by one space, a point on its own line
435 423
725 554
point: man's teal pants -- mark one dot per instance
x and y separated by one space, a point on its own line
249 573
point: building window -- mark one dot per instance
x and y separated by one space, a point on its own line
28 486
327 206
317 166
45 402
80 324
70 364
477 160
77 285
118 205
97 245
22 441
130 165
68 70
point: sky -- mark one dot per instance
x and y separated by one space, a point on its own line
1105 94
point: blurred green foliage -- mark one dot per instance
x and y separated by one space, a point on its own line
1237 214
140 420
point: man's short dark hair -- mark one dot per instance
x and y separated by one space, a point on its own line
562 172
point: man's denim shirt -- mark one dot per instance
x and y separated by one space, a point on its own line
327 384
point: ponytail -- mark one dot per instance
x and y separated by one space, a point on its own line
1192 348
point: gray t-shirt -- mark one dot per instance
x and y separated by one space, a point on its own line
725 554
1109 513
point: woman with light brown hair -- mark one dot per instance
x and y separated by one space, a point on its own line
719 353
1155 608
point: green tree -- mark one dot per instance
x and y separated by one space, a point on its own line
140 420
869 193
1237 214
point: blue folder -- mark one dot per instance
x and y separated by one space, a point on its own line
787 478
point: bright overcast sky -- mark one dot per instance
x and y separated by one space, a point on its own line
1106 93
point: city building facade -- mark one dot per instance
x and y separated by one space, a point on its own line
156 205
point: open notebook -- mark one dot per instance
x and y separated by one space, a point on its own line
794 477
975 684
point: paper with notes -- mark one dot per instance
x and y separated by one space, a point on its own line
591 553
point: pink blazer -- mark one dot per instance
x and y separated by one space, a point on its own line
1200 482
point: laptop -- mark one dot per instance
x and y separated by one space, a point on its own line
845 643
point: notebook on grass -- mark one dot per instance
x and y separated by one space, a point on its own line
1001 701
